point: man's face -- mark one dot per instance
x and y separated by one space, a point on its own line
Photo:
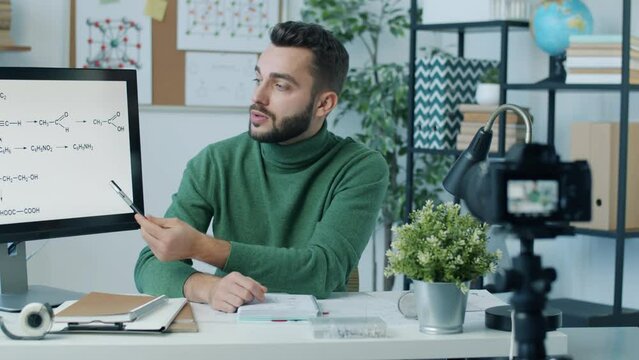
283 99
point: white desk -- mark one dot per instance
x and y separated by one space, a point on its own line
220 337
603 343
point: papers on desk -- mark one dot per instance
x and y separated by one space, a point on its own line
280 307
480 300
385 306
117 313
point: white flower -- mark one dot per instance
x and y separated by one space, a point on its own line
423 258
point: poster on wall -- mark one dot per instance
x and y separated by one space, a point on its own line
226 25
115 35
216 79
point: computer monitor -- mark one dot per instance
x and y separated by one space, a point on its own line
64 135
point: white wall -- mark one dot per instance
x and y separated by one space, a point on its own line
171 137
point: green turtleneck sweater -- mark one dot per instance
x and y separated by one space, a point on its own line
297 216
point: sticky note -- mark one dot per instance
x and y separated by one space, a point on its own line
156 9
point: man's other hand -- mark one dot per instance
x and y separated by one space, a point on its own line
223 293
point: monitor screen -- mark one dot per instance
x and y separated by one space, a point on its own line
64 135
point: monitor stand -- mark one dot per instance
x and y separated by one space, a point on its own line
15 292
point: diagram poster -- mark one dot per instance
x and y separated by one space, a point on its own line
226 25
214 79
115 35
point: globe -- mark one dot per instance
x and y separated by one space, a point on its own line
553 21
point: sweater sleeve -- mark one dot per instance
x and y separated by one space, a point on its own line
155 277
337 242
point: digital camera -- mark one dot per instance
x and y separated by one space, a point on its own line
529 186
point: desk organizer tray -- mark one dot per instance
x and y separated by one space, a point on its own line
348 327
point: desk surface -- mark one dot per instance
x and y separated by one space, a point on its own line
603 343
221 337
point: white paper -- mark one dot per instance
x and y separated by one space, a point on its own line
384 305
203 313
480 300
365 305
219 79
237 25
115 35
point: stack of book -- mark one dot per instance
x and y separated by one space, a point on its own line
5 23
119 313
596 59
475 116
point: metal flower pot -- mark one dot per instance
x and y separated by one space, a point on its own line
440 307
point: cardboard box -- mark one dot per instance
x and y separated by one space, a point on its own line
598 143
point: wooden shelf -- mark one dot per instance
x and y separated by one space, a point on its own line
479 26
14 48
629 233
570 87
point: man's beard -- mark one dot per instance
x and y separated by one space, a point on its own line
283 129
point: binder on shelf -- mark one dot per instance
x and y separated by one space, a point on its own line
598 143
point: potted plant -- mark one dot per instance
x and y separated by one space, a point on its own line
379 94
488 88
441 250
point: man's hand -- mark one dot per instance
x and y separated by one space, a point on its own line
223 294
173 239
169 239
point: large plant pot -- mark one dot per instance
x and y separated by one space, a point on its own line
440 307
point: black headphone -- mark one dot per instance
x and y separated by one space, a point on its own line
35 322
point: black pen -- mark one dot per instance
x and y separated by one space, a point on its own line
126 199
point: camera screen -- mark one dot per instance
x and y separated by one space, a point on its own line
532 197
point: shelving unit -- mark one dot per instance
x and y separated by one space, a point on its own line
14 48
587 314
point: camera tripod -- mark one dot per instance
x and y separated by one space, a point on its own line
530 283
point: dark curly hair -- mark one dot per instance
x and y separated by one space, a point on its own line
330 59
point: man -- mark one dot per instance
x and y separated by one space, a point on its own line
292 204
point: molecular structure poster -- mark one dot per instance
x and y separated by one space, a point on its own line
225 25
115 35
214 79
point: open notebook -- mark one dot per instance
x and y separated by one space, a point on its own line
280 307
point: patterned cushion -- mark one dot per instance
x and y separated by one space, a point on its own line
442 83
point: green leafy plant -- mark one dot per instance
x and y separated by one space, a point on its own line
491 76
379 93
440 244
